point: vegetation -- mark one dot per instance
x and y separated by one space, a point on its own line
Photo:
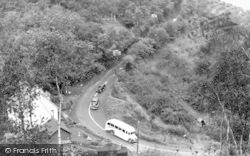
179 58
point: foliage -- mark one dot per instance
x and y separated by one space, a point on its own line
49 42
155 153
171 28
142 49
156 96
159 35
224 84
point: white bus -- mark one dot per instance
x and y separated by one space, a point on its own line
121 130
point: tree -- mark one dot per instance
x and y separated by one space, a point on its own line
159 35
17 92
225 86
142 49
171 28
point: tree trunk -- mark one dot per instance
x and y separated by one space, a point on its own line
241 140
23 126
235 143
225 117
221 132
228 133
59 116
249 141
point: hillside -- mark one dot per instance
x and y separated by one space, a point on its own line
158 89
184 76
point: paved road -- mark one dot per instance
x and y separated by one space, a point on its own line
96 119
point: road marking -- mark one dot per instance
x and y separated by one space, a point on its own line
139 144
94 120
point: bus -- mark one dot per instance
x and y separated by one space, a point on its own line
121 130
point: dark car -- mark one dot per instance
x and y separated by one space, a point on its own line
95 102
101 88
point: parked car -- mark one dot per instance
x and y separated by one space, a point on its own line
95 102
101 88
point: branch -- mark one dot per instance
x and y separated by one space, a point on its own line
245 52
225 117
218 99
248 76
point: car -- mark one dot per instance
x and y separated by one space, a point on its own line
95 102
101 88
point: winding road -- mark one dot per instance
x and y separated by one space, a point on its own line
95 119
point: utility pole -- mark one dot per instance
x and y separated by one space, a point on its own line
59 124
59 117
138 129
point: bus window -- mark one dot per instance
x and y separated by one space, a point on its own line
112 125
119 128
108 123
123 131
116 127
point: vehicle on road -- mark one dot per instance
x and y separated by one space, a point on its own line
95 102
101 88
121 130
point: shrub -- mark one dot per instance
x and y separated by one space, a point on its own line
159 35
128 21
55 99
205 50
68 105
213 133
129 58
124 38
95 143
171 28
89 31
162 64
142 49
178 131
169 117
183 27
202 67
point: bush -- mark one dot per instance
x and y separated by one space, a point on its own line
88 32
171 28
67 106
128 21
142 49
178 131
170 116
202 67
205 50
152 153
183 27
124 38
55 99
213 132
159 35
95 143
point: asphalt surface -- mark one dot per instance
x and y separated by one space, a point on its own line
95 119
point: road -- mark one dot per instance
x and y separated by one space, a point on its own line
95 119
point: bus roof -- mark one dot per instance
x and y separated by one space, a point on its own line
122 124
